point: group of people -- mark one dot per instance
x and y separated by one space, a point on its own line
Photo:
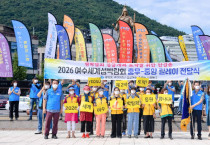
50 100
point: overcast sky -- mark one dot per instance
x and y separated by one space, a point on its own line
180 14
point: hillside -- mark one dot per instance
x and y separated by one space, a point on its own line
103 13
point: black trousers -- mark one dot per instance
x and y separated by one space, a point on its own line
163 122
196 114
149 123
11 108
91 126
124 121
85 125
116 125
140 117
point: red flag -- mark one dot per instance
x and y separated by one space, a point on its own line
126 42
110 48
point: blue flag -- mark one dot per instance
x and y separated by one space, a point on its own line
199 47
64 45
23 44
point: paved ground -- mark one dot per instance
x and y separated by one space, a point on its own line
28 137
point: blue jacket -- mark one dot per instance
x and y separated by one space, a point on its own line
12 96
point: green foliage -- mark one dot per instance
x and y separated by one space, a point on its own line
19 72
101 12
41 77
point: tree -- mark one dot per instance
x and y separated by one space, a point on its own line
41 77
19 72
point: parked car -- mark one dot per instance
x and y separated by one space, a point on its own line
3 101
24 104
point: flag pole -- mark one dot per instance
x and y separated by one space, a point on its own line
42 111
191 116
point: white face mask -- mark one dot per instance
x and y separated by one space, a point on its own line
165 93
133 91
35 81
122 91
101 92
15 84
169 84
46 86
71 92
94 89
86 92
54 86
131 84
197 87
116 92
141 89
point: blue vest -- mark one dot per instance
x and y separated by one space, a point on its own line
14 97
76 89
106 93
171 92
34 91
54 99
195 99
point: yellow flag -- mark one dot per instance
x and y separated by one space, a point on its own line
183 47
122 84
164 99
142 82
80 46
86 107
148 99
94 81
100 109
71 107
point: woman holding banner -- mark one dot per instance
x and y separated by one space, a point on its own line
124 127
149 116
71 118
116 104
86 118
100 101
133 114
207 98
165 114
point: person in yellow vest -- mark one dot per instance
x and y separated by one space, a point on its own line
117 115
94 95
100 119
86 118
149 116
166 114
71 118
124 125
140 93
133 115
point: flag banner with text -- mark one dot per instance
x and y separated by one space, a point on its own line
111 48
51 37
5 58
68 24
68 69
205 40
133 103
199 47
164 99
71 107
157 48
94 81
126 42
97 44
64 46
81 54
121 84
183 47
142 44
23 44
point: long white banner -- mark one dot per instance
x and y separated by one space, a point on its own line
68 69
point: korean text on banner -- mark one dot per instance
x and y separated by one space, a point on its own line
86 107
142 82
101 109
148 99
71 107
94 81
164 99
121 84
133 103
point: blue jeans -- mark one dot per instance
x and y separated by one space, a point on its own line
180 105
133 122
40 120
32 101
